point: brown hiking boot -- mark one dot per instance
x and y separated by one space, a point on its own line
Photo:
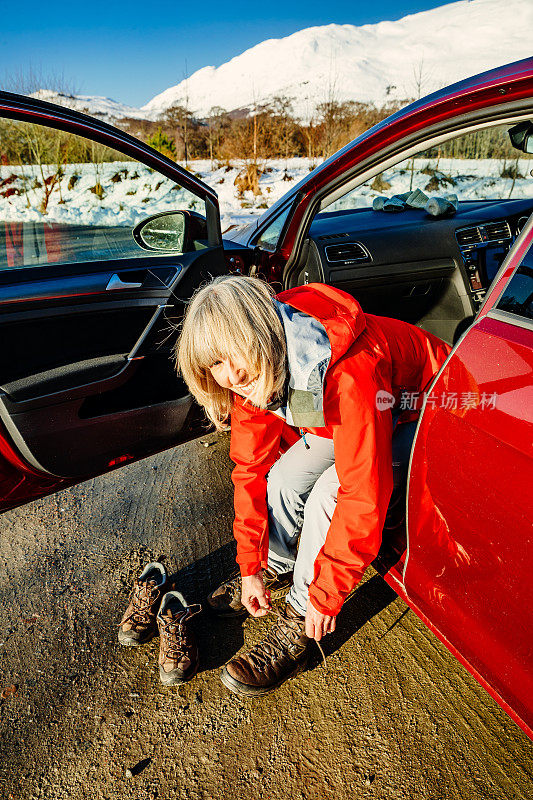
139 624
282 654
178 652
225 601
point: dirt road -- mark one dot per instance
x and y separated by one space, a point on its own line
393 716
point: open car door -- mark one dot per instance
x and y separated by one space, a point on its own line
88 311
470 504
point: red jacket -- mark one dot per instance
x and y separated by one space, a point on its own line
368 353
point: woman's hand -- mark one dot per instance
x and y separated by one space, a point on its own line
254 595
317 624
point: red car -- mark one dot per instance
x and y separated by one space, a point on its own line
86 378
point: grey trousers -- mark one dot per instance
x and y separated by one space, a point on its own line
302 493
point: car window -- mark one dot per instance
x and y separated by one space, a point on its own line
64 198
518 295
270 236
482 165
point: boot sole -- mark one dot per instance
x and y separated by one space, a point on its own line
168 680
126 641
257 691
275 595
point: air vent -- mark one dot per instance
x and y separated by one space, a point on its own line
346 253
520 224
497 230
467 236
334 236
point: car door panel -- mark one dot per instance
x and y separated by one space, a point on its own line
58 385
60 441
150 279
87 375
47 324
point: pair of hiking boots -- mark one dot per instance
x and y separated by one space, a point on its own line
281 655
154 607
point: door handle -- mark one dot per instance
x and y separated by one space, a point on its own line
115 282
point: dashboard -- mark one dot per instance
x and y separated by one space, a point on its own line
409 255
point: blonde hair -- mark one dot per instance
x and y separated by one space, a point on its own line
231 317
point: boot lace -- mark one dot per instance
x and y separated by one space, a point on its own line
282 636
142 599
173 634
173 639
233 586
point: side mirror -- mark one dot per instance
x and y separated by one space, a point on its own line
172 232
163 233
521 136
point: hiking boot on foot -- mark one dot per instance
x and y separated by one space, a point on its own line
281 655
139 621
178 652
225 601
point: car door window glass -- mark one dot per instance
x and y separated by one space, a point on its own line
481 165
270 236
518 295
65 199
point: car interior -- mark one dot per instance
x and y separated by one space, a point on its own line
403 262
432 270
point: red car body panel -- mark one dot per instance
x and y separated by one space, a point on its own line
470 527
20 483
395 582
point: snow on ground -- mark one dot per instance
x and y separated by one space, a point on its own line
131 192
469 179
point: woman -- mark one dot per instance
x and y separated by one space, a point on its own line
311 384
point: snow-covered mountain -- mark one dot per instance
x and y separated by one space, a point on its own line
102 107
388 60
404 59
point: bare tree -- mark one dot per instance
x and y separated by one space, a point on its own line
186 116
282 109
33 79
215 122
44 148
179 118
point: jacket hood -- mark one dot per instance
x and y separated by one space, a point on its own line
340 314
321 324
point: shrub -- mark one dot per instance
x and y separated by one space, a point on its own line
438 181
163 143
247 180
379 184
98 190
511 171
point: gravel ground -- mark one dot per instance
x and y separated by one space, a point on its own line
393 715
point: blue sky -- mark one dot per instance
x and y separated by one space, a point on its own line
131 51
